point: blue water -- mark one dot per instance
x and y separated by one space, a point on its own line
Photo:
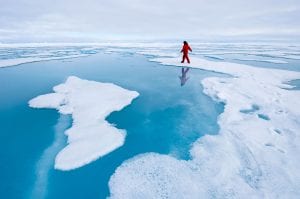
263 116
295 83
166 118
252 110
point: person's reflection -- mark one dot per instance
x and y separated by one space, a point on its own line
183 78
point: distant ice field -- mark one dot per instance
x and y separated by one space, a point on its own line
273 55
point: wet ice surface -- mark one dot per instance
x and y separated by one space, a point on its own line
251 155
163 119
216 164
294 84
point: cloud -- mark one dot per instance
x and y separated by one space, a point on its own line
93 20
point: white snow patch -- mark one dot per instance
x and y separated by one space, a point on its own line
89 102
248 158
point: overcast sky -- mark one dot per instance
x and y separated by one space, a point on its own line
100 20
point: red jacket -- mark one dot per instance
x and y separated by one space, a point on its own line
186 48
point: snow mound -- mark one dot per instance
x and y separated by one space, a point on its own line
89 102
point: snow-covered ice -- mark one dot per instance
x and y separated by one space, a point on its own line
274 61
254 155
18 61
89 102
273 53
16 54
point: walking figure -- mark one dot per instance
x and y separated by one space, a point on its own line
185 50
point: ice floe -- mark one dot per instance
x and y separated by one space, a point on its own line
255 154
89 102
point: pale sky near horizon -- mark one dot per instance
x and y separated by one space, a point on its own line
98 20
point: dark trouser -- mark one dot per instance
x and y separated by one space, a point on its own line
185 56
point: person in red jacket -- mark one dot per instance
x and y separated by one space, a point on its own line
185 50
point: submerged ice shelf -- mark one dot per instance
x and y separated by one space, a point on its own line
89 102
255 153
